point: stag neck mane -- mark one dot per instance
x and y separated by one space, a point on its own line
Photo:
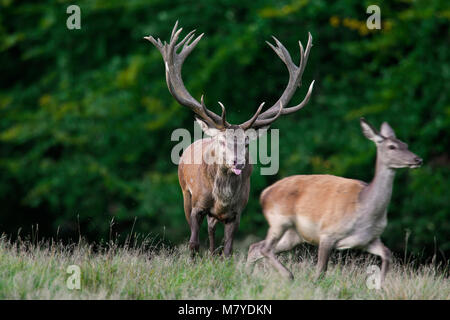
225 184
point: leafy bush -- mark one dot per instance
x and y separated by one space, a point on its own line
86 118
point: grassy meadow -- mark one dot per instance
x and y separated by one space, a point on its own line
87 130
39 271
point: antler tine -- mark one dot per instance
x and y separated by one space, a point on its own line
173 30
173 41
187 49
189 36
265 122
306 54
285 56
224 115
301 104
302 54
249 123
276 50
156 43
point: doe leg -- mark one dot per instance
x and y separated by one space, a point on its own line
325 247
254 253
379 249
289 240
273 236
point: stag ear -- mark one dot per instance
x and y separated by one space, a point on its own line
387 131
207 129
370 132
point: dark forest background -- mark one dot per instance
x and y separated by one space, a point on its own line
86 117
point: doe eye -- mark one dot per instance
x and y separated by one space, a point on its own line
392 147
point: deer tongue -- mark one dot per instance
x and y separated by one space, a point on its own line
236 171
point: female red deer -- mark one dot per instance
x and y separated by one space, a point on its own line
333 212
219 187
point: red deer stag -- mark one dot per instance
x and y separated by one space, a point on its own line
219 188
333 212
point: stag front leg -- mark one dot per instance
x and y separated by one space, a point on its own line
230 229
195 222
212 223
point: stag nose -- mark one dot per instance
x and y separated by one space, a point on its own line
418 160
239 166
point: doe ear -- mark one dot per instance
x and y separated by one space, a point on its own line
387 131
206 129
369 131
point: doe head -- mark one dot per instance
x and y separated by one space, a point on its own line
391 151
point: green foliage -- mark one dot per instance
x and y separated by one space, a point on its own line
86 117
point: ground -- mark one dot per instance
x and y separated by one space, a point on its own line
39 271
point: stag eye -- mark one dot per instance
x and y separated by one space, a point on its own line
392 147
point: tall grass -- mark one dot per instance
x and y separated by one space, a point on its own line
38 271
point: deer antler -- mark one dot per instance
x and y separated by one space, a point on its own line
295 77
174 62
